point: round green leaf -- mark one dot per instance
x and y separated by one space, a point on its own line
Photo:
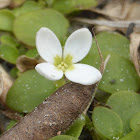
32 53
14 72
63 137
28 6
107 123
68 6
28 91
133 135
8 40
135 121
6 20
27 25
120 73
136 135
113 43
9 53
129 136
77 127
125 104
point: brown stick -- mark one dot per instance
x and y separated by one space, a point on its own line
54 115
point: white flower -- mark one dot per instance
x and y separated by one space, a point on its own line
62 62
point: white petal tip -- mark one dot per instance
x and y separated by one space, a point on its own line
93 81
79 41
48 45
84 74
49 71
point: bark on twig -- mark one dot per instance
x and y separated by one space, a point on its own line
54 115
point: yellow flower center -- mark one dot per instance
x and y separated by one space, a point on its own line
63 64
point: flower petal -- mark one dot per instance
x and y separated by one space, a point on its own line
83 74
48 45
78 44
49 71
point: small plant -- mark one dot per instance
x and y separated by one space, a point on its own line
61 62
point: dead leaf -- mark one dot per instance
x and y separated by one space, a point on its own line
120 10
4 3
11 114
16 3
25 63
134 50
119 14
6 83
134 12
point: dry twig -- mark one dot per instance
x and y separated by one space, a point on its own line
118 24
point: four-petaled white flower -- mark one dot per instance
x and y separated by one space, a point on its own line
61 62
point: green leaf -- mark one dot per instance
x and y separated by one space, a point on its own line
120 73
22 50
101 96
9 53
63 137
28 91
113 43
32 53
28 6
68 6
136 135
129 136
76 128
107 123
11 124
135 121
125 104
133 135
50 2
6 20
14 72
9 40
27 25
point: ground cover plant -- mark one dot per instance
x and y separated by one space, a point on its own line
69 70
